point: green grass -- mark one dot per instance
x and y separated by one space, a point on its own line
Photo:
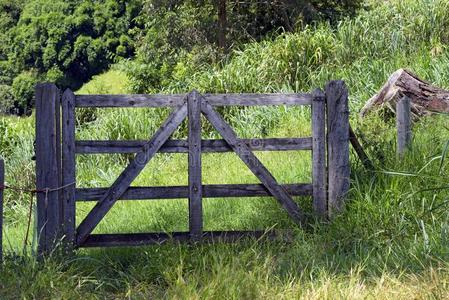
363 51
110 82
392 240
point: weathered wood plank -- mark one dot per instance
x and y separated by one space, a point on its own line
2 187
403 125
207 146
258 99
209 191
130 173
338 144
60 221
195 185
46 166
253 163
319 153
359 150
138 100
41 209
177 100
140 239
68 164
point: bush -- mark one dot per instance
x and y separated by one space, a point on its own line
23 90
6 99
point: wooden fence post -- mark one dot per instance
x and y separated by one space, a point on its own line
337 144
403 124
2 188
195 184
319 153
68 167
47 173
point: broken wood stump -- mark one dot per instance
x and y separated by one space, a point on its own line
425 98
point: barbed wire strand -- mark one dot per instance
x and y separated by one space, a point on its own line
32 192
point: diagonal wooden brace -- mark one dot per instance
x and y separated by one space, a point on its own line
130 173
253 163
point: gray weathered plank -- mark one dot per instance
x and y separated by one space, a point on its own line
68 164
130 173
41 165
177 192
59 161
338 144
140 239
403 124
2 187
258 99
195 185
138 100
319 153
253 163
176 100
46 166
181 146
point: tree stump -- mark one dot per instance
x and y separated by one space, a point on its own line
425 97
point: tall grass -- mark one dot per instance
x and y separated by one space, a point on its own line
392 240
363 51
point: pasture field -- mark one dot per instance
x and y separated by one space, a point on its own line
391 242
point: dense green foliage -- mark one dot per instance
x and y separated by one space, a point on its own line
180 37
363 51
285 62
68 42
391 241
61 41
297 62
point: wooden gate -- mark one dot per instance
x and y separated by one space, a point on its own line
56 148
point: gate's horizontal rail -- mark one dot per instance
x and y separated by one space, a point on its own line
140 239
177 192
182 146
142 100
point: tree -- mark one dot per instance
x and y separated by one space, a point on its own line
222 23
66 42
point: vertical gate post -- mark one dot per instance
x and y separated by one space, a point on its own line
47 173
195 184
68 167
337 144
319 153
403 124
2 187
